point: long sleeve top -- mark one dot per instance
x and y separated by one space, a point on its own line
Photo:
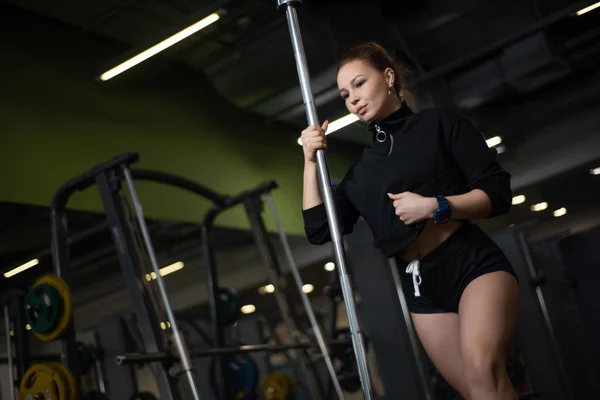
434 152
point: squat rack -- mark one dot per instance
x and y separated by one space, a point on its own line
131 239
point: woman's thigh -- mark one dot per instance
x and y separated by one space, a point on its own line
440 335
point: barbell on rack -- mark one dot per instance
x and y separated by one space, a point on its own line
143 358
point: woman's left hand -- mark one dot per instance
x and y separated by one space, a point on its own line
413 208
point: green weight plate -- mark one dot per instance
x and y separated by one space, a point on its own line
43 308
229 305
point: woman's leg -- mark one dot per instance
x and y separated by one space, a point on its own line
488 317
440 336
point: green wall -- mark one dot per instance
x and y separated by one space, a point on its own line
57 121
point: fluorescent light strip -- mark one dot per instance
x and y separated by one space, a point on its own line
595 171
520 199
560 212
169 269
494 141
588 9
337 125
157 48
539 206
248 309
22 268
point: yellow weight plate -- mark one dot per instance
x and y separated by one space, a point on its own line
45 380
69 380
275 387
65 293
292 385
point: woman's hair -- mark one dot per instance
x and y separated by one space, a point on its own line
379 58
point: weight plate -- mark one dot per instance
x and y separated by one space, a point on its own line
69 380
243 375
44 382
275 387
229 306
42 297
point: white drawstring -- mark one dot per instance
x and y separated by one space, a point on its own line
413 268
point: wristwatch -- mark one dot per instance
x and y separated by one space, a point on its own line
444 212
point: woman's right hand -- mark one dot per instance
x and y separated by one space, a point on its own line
313 139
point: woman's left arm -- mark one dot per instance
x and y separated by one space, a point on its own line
489 192
489 184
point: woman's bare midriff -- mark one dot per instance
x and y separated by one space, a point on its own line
432 236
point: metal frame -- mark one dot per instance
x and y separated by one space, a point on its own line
130 240
327 193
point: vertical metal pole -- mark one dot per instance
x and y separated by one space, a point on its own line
184 357
268 254
9 353
309 310
212 288
414 343
325 184
542 303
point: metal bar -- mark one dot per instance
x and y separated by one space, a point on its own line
179 182
414 341
184 357
542 303
132 262
325 184
9 353
307 306
212 288
142 358
267 252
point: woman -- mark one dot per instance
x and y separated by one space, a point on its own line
424 178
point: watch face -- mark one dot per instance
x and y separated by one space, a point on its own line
442 216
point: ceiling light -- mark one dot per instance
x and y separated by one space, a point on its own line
248 309
588 9
494 141
539 206
500 149
266 289
329 266
157 48
169 269
337 125
560 212
21 268
27 327
520 199
308 288
595 171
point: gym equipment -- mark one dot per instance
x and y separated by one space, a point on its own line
317 331
229 306
184 357
68 378
48 307
137 358
48 381
242 373
143 396
85 357
330 207
278 387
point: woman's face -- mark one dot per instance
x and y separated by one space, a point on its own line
365 90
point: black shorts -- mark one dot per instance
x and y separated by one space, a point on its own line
448 269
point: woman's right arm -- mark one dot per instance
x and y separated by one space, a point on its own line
316 224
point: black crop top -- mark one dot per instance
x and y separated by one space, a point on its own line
434 152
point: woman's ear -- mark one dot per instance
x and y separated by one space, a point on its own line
389 77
